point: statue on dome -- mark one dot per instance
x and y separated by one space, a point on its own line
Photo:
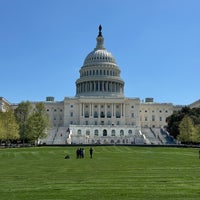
100 33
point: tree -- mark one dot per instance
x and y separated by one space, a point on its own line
9 129
187 130
37 124
22 113
176 118
197 132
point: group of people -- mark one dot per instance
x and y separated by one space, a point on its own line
80 152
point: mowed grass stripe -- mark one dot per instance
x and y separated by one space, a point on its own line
115 172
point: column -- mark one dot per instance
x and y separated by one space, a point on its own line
105 105
99 110
83 109
80 109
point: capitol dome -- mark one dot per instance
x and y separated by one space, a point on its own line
100 75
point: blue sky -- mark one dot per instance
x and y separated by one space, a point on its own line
156 43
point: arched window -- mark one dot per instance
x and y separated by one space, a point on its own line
79 132
113 133
87 132
130 132
121 132
104 132
96 132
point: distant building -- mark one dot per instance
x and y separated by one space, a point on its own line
100 113
4 104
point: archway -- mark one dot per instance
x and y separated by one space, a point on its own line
104 132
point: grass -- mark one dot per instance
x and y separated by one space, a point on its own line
114 173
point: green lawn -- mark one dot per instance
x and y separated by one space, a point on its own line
114 173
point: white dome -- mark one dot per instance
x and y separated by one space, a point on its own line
100 75
99 56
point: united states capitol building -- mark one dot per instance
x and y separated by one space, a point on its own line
100 113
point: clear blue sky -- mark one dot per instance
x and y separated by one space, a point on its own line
156 43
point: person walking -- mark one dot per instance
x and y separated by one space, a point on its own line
91 152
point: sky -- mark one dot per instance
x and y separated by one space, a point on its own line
156 43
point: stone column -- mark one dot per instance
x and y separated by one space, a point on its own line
80 111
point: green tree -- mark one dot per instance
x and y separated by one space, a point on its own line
187 130
22 113
197 132
9 128
175 119
37 124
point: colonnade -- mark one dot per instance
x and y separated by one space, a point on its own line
99 86
114 109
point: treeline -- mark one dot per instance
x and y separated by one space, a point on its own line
25 124
184 125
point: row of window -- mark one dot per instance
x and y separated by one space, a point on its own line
99 72
104 133
166 111
152 119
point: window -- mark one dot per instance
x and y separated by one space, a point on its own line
113 133
96 132
104 132
87 132
117 115
132 115
108 115
121 132
102 115
79 132
86 114
71 114
130 132
153 118
95 114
